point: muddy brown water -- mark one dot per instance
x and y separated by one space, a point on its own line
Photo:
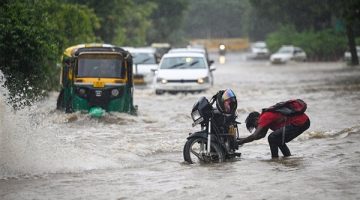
46 154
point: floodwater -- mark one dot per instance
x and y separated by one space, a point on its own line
46 154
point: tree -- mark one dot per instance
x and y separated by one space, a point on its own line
33 35
314 15
349 12
304 15
135 25
76 24
122 22
166 20
211 19
27 47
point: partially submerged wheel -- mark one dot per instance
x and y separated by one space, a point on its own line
159 92
195 152
60 100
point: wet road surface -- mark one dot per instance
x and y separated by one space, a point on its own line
46 154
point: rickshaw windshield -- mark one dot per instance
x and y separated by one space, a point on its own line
100 66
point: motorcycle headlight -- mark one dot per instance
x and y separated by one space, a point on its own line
222 47
195 115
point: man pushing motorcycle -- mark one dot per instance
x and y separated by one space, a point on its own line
286 119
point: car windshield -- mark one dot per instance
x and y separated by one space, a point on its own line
183 63
260 45
104 66
285 50
143 58
187 51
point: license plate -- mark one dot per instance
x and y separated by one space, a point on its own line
181 87
99 84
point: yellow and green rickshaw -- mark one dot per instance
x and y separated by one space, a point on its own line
96 78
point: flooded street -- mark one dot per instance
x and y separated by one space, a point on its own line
46 154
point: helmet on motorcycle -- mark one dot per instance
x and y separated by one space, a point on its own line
226 101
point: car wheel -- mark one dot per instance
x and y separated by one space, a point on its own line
159 92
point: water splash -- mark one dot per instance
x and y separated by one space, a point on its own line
28 147
330 134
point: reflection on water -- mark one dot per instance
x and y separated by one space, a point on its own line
46 154
222 59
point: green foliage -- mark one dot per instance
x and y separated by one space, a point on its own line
108 12
284 36
211 19
167 20
122 22
304 15
27 46
319 45
315 21
357 41
33 35
76 24
134 25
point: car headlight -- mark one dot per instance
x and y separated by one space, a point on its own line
203 80
115 92
161 80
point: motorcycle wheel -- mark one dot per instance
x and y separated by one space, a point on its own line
195 148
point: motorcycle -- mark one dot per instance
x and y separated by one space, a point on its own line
222 49
216 141
222 52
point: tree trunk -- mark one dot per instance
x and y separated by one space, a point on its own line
352 45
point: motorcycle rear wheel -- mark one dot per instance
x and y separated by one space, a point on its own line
195 148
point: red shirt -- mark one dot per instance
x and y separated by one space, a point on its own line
275 120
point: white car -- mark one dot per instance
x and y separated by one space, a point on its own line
193 50
259 50
186 50
287 53
144 61
347 54
183 72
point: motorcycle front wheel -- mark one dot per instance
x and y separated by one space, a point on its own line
195 152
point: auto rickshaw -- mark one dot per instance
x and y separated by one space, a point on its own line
96 78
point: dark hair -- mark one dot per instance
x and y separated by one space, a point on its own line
251 120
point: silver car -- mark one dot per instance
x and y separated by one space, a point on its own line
287 53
